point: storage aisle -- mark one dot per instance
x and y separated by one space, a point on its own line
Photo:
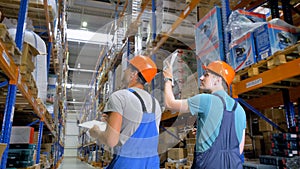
73 163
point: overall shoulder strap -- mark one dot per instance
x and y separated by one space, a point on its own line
142 101
140 98
224 103
153 104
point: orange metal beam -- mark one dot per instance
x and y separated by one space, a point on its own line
50 33
143 7
167 115
277 99
23 88
187 10
7 64
124 8
242 4
11 70
281 72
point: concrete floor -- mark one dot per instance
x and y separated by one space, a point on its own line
74 163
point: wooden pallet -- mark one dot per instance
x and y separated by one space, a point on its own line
33 7
280 57
36 12
169 165
99 164
9 44
36 166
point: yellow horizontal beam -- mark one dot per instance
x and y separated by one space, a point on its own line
281 72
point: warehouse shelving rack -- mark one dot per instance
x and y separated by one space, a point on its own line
11 70
290 69
287 70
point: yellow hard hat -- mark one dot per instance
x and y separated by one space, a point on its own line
145 66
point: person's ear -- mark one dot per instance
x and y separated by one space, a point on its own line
134 74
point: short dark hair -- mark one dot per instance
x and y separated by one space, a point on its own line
224 84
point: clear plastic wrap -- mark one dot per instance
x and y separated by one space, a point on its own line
240 24
184 64
293 163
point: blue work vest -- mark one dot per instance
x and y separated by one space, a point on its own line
140 150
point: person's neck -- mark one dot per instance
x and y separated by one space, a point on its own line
217 89
137 85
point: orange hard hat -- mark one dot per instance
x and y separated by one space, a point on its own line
223 69
145 66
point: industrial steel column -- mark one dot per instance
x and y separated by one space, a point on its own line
225 14
274 8
38 150
153 36
289 110
8 120
22 17
49 50
287 12
12 88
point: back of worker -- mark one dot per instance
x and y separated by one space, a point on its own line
221 121
139 114
145 138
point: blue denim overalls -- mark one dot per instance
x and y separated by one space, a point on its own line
224 152
140 150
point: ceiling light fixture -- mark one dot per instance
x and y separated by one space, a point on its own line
84 24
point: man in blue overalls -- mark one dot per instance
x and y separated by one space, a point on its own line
133 118
221 121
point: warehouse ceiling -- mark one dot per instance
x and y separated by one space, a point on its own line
83 55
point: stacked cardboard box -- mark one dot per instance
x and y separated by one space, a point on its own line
170 11
190 144
209 37
22 135
167 139
21 155
177 153
242 49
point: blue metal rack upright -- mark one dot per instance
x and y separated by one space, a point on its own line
39 142
225 14
11 70
153 35
12 88
7 120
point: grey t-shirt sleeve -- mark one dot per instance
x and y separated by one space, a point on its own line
115 103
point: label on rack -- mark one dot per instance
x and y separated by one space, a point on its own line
254 83
25 88
19 78
12 113
6 58
32 99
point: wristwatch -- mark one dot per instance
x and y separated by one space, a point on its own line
168 79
